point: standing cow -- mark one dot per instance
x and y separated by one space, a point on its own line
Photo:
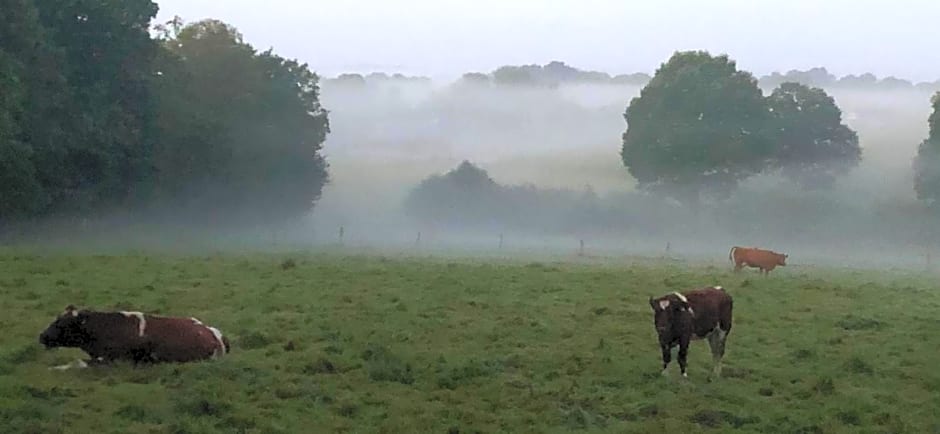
753 257
134 336
697 314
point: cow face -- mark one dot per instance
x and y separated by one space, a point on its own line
782 259
67 330
665 312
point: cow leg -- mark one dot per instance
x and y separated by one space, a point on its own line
683 355
667 357
716 340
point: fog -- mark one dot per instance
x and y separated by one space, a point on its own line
555 149
386 137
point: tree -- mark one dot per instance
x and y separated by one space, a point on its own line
812 145
515 75
696 127
93 147
240 132
927 162
20 36
464 195
474 79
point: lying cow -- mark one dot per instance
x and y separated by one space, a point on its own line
682 318
766 260
134 336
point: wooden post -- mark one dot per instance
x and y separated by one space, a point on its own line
667 248
342 231
500 241
581 250
418 240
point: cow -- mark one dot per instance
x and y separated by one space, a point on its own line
134 336
753 257
680 318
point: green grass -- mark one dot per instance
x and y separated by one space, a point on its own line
325 343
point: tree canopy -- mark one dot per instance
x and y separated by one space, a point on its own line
696 127
701 126
96 113
927 161
240 130
812 145
464 195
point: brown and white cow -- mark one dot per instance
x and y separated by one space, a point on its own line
134 336
753 257
683 317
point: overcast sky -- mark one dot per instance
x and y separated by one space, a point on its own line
444 38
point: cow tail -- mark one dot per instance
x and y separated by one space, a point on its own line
228 348
731 254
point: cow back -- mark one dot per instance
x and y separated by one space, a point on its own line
182 339
711 307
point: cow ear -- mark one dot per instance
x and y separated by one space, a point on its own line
652 303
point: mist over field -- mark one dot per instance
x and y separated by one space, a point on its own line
386 137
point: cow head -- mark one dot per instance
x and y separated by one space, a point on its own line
782 259
67 330
667 310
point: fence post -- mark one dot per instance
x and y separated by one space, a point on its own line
418 239
342 232
500 241
581 249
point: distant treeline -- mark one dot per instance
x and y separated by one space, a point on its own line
557 73
695 132
466 198
97 114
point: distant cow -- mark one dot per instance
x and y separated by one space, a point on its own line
697 314
134 336
753 257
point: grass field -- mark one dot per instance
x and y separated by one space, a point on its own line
330 343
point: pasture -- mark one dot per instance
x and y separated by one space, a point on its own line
334 343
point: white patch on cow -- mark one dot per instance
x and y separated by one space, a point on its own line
663 304
141 321
718 288
196 321
685 374
691 312
681 297
218 336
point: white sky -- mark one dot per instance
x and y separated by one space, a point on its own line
446 38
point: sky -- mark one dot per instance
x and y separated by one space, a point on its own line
445 38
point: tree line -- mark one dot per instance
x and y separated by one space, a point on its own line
97 113
698 128
557 73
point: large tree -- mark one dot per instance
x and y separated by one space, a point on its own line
20 35
812 144
696 127
93 145
927 161
464 195
240 131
